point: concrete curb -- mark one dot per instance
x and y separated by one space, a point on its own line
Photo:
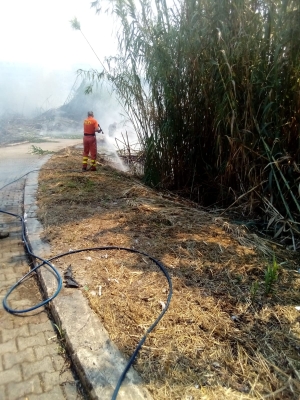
96 359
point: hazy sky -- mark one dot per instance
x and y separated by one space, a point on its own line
40 52
39 32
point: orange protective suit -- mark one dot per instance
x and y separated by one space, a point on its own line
90 126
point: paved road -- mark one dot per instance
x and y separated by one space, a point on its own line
32 363
15 161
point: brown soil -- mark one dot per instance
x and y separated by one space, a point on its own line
226 333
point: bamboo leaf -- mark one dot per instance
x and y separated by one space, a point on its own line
271 221
277 233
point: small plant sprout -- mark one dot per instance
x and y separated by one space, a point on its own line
271 275
253 290
61 338
60 331
39 151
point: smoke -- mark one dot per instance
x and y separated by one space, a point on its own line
38 72
55 101
118 131
106 108
29 90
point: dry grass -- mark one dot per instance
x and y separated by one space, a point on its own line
220 337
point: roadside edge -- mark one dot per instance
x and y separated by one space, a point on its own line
96 359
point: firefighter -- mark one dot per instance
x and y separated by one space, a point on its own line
90 127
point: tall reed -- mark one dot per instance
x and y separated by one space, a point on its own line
212 87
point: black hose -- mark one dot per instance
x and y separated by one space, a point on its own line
28 249
59 285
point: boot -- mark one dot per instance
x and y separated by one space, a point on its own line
3 235
93 168
84 163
